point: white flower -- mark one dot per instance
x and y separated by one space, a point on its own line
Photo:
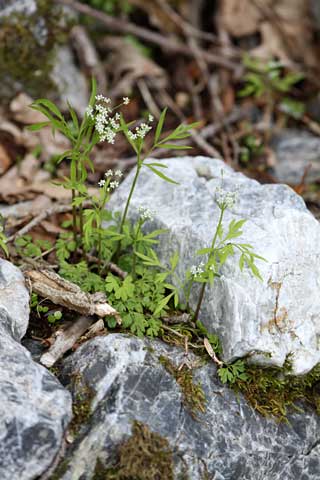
132 136
126 100
102 98
193 270
197 270
225 199
109 173
101 183
150 118
146 213
114 184
142 130
118 173
89 112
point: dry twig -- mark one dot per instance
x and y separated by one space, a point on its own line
59 291
167 44
64 340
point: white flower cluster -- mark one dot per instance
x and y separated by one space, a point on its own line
106 125
225 199
146 213
197 270
114 184
126 100
142 130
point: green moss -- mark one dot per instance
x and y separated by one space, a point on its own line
193 394
81 405
27 55
144 456
274 392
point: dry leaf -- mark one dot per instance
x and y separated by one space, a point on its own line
284 27
5 160
21 111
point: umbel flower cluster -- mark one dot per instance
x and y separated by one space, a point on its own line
108 182
107 120
225 199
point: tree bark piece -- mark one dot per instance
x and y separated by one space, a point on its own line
50 285
64 340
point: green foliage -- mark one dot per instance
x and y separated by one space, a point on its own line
110 6
3 238
55 317
231 372
222 248
275 392
27 247
251 147
213 339
268 80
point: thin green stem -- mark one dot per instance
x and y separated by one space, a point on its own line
203 287
124 216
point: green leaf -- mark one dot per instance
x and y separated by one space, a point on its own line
163 303
37 126
73 117
172 146
161 175
50 106
160 125
93 92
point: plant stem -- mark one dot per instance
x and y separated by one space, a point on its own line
99 252
124 216
74 217
203 287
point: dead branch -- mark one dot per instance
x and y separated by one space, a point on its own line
39 218
50 285
64 340
167 44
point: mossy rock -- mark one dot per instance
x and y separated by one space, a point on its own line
29 34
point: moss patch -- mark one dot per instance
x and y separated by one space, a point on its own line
81 405
144 456
274 392
193 394
27 47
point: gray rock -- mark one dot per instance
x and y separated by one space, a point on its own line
8 7
295 150
33 59
70 83
230 441
34 407
276 317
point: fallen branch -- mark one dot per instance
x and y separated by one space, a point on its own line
64 340
39 218
167 44
50 285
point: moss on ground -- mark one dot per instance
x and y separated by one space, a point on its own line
274 392
193 394
27 48
144 456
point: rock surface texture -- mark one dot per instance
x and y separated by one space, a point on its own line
229 441
281 314
34 407
295 151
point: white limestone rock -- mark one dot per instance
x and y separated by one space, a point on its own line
34 408
278 316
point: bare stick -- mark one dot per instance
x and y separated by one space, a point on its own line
64 340
50 285
39 218
167 44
